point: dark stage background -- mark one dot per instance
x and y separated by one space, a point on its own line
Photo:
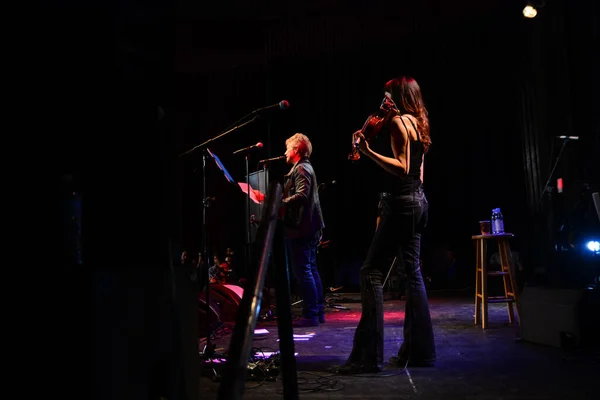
498 87
115 90
139 84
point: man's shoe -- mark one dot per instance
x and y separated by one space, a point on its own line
322 317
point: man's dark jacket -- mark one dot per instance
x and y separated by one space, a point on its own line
302 209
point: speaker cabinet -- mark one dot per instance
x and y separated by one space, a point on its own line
227 300
213 315
550 316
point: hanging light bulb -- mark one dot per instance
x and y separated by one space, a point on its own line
529 11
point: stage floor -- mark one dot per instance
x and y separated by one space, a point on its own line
471 363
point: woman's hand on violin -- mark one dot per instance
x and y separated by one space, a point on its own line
359 139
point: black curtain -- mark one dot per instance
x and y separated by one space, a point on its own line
558 99
333 73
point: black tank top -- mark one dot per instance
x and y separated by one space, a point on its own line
405 184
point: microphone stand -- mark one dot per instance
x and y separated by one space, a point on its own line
208 352
552 171
248 244
550 241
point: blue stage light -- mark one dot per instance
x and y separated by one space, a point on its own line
593 246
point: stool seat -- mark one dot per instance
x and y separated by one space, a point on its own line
482 299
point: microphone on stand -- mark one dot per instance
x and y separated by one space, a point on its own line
256 146
271 159
282 105
568 137
325 184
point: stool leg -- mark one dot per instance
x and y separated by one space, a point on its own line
505 266
477 281
484 292
511 271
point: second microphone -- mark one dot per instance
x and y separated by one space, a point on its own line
272 159
256 146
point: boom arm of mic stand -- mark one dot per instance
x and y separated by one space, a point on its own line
220 135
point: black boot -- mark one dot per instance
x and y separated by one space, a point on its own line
353 368
403 359
356 365
321 313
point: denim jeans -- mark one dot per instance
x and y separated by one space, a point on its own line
302 255
402 219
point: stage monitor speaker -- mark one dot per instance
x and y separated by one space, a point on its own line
228 298
258 180
550 316
214 312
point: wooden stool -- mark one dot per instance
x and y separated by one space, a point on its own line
507 273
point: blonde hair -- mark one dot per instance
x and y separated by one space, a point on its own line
301 143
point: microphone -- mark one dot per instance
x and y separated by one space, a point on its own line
282 105
271 159
327 183
256 146
568 137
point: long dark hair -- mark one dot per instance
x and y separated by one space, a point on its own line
406 93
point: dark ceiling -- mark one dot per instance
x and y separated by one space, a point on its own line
273 10
228 33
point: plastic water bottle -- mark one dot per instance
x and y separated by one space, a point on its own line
497 221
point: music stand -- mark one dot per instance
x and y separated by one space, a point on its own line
220 165
256 195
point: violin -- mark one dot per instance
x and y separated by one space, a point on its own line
375 123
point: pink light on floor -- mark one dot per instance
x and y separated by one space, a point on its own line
393 316
354 316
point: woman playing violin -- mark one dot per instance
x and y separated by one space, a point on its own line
398 146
